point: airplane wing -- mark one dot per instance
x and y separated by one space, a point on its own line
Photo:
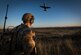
42 6
48 7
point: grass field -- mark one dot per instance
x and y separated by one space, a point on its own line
54 41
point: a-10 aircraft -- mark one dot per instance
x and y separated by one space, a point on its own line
45 7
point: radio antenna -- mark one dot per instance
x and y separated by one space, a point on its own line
5 18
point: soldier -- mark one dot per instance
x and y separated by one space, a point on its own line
24 36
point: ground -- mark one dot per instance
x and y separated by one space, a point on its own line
55 41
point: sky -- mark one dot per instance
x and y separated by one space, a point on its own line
61 14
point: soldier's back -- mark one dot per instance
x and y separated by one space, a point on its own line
23 38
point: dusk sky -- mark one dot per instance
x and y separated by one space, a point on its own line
62 12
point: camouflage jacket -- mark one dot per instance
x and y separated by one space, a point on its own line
18 35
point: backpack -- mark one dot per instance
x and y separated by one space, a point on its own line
17 37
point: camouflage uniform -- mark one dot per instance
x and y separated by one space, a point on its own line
23 39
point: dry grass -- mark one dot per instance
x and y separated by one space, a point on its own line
54 42
56 47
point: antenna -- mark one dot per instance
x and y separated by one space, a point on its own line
5 18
